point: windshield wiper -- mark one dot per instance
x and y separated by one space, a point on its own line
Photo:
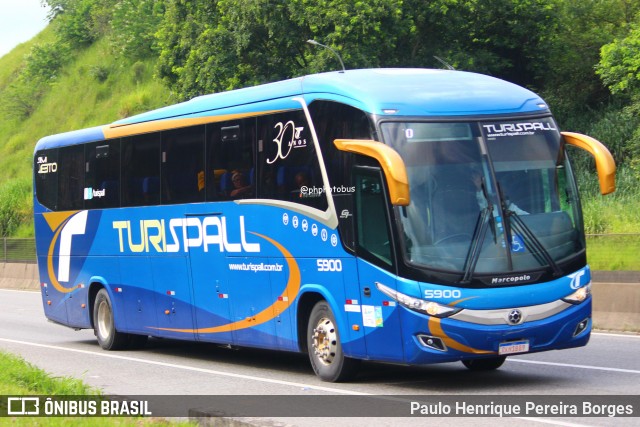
477 240
533 241
526 233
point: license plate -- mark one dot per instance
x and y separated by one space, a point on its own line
513 347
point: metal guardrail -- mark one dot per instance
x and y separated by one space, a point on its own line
604 251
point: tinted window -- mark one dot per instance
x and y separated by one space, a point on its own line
374 241
70 178
46 177
333 121
230 164
102 175
141 171
183 179
288 164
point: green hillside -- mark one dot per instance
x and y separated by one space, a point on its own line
102 60
94 88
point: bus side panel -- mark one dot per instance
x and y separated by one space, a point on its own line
102 270
172 307
251 302
353 339
380 315
52 300
133 297
284 320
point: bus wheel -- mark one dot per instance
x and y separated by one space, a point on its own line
325 350
488 364
104 324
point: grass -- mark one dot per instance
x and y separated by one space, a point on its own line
617 213
94 89
19 378
614 252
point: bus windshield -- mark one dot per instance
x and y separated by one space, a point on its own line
487 198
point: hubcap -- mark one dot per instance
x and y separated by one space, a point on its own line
104 320
325 341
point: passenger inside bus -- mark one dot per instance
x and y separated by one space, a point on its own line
241 189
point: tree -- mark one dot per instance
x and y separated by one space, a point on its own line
134 24
619 65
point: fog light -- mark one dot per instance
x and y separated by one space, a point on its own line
581 327
432 342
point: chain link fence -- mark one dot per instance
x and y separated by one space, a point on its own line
18 250
608 252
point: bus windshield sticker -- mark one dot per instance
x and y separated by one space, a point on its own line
516 129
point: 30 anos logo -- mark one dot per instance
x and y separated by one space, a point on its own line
293 134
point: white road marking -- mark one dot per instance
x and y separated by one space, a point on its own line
568 365
189 368
610 334
270 380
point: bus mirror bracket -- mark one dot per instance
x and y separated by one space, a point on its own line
605 165
392 165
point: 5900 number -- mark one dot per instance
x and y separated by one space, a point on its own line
329 265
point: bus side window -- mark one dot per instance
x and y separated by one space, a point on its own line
46 178
373 237
230 168
141 170
71 178
288 164
102 175
183 165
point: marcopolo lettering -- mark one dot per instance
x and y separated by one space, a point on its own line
510 279
178 234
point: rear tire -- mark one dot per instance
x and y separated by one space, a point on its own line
324 347
488 364
104 324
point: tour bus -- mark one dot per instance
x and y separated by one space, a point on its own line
408 216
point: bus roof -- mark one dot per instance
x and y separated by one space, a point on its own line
384 92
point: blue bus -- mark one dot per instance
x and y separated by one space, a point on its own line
409 216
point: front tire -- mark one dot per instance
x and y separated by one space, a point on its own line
324 347
104 324
488 364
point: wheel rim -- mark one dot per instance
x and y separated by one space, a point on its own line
325 341
105 323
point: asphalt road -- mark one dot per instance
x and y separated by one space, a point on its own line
609 365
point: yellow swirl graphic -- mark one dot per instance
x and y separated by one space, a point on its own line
435 327
288 296
56 220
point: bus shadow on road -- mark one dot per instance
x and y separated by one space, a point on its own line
444 378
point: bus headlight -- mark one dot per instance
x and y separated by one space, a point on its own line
430 308
579 295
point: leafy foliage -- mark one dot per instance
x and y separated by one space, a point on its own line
583 56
